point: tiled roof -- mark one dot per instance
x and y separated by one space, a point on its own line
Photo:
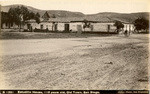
121 20
79 19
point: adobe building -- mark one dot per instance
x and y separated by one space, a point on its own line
72 24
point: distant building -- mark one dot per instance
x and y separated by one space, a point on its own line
72 24
129 26
46 16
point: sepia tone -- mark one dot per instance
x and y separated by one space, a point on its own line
67 50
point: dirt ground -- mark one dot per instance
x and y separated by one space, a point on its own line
103 63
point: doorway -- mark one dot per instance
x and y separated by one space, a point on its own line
41 27
108 28
66 27
55 27
29 27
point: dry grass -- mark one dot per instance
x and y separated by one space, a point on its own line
46 35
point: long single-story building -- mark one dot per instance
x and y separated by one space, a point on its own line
76 26
72 24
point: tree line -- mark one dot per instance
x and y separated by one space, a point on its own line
141 24
18 15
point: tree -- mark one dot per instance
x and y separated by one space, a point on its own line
34 16
19 15
37 18
141 23
31 15
86 24
119 25
4 18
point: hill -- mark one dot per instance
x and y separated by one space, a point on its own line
127 17
57 13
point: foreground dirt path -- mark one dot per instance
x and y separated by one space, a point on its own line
104 63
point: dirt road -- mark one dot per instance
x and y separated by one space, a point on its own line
102 63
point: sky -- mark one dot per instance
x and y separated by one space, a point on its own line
86 6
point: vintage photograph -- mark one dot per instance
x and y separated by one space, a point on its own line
74 44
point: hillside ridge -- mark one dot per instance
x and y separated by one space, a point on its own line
129 17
